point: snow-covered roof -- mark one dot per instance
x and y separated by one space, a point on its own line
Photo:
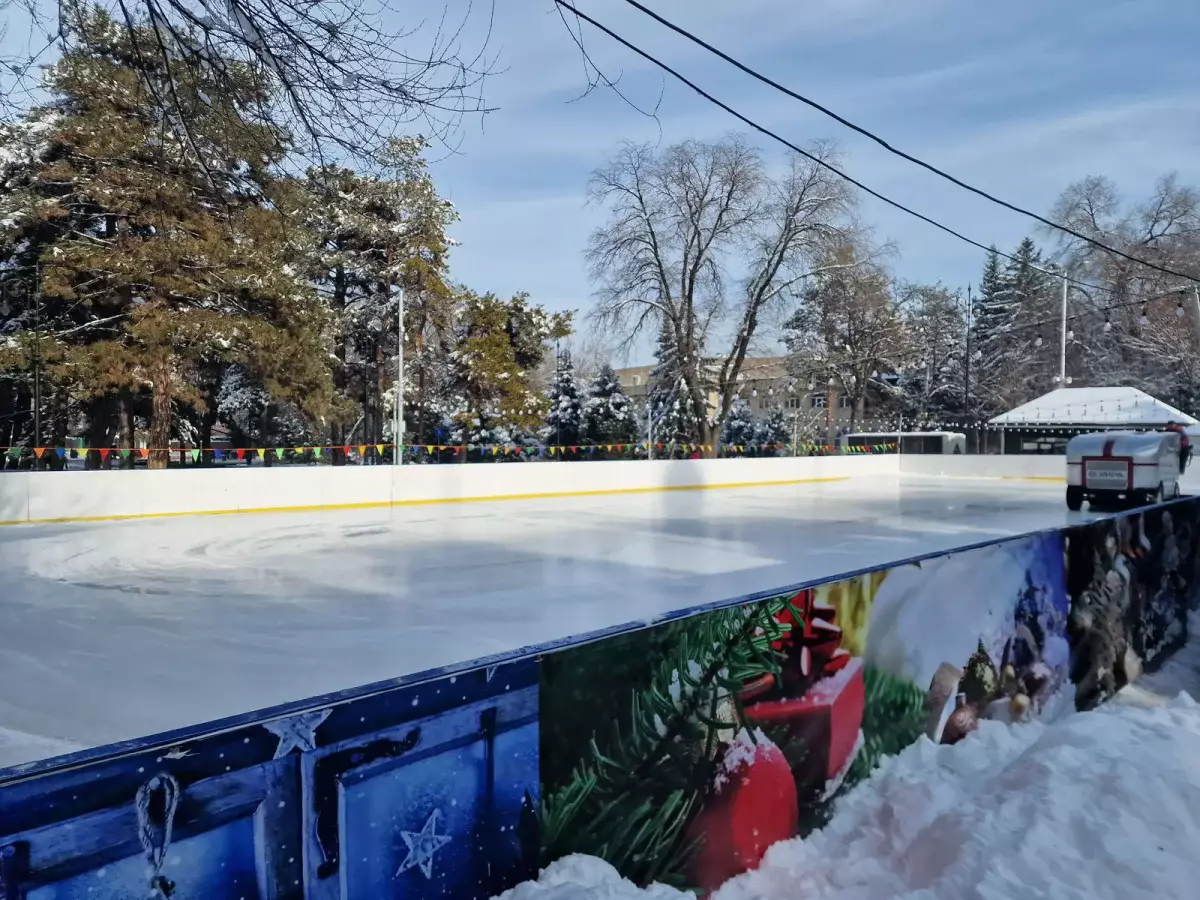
1107 406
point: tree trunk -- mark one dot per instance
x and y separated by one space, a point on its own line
99 431
125 427
160 416
710 440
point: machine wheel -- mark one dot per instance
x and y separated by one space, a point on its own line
1074 499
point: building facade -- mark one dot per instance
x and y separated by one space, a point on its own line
766 385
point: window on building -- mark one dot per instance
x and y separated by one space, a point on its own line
817 400
843 402
794 403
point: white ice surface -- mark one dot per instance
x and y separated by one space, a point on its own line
1102 805
113 631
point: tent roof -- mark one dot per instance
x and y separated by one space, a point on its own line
1107 406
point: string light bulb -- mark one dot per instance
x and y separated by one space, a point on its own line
1107 324
1179 310
1143 319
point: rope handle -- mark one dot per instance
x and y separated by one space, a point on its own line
157 802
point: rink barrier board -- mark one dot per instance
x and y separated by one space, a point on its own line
284 803
29 498
437 501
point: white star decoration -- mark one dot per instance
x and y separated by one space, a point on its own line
422 845
299 732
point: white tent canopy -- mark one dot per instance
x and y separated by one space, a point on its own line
1106 407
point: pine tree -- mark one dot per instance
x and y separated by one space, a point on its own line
740 428
494 348
1030 288
162 245
608 414
774 430
376 235
995 335
671 407
564 421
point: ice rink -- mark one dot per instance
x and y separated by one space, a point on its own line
112 631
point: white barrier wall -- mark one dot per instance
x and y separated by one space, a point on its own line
59 496
1021 466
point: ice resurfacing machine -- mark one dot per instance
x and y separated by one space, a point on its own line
1122 468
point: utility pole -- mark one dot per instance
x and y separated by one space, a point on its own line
967 366
37 356
1062 356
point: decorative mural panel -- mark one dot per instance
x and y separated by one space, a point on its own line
679 753
421 790
1132 580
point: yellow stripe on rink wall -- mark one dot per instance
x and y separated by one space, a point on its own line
432 501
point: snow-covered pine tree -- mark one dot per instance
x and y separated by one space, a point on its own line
1031 289
495 347
739 429
376 235
994 316
774 430
564 422
671 408
608 414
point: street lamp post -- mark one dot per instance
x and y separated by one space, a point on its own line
398 427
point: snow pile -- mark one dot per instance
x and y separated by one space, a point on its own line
1104 804
587 878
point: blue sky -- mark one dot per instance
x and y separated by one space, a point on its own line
1020 98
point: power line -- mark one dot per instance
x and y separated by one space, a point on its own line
820 162
898 152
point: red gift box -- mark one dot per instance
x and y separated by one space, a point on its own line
827 720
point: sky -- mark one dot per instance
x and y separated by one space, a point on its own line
1020 99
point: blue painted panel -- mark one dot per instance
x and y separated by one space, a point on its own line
216 865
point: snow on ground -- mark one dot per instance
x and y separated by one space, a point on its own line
1097 805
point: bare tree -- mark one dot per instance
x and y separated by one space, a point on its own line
700 238
932 376
346 79
848 328
1131 332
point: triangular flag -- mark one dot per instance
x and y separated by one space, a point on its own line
195 455
260 452
362 449
429 448
143 452
346 450
379 448
61 452
104 451
241 454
